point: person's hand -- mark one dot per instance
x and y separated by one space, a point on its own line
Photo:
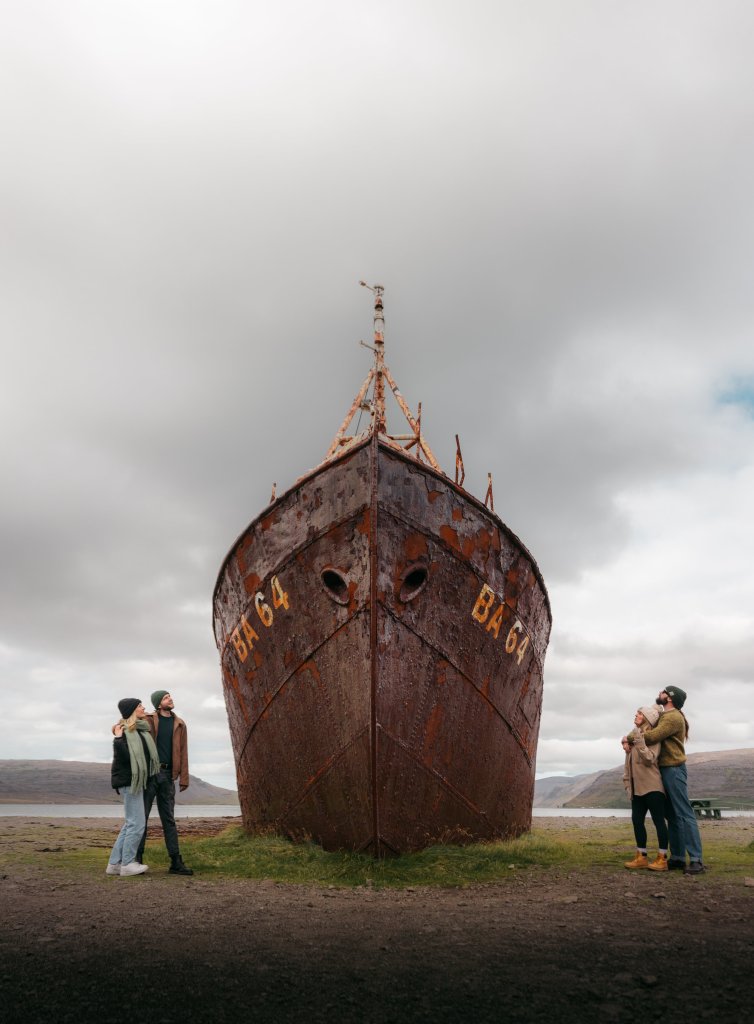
117 730
183 787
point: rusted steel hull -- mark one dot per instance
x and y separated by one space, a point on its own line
382 636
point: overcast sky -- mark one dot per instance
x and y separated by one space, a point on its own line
557 197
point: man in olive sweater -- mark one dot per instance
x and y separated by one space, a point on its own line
671 732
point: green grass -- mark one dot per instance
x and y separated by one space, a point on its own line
234 854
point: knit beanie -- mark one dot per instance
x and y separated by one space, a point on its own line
157 697
127 706
677 695
651 714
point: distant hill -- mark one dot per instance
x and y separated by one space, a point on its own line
724 775
555 790
84 782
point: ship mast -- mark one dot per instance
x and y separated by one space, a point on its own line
378 401
378 374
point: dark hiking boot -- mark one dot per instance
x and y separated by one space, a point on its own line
177 867
676 865
695 868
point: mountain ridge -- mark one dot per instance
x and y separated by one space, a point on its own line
84 782
723 775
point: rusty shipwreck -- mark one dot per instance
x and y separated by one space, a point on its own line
382 637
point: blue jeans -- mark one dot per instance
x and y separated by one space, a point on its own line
682 826
127 844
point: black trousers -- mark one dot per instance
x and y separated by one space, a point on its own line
161 787
655 804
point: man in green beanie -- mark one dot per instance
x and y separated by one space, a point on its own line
671 732
170 736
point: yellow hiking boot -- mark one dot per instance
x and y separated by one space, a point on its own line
640 861
660 863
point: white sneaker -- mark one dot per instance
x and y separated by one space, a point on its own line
112 869
134 868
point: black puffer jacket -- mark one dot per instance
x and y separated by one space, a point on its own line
120 771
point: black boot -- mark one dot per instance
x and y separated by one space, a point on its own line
177 867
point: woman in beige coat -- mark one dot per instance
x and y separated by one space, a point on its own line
643 784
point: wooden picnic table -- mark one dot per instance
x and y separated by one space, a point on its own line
707 807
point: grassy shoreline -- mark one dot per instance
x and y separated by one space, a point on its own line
557 846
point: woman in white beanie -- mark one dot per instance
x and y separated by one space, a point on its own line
643 784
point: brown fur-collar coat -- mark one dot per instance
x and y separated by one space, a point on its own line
641 774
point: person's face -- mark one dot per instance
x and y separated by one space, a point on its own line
166 704
140 712
639 718
662 699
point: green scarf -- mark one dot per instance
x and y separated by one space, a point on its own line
139 770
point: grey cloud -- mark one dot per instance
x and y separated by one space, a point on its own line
558 204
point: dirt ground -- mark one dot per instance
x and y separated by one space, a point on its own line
546 945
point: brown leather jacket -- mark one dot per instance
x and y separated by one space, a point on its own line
180 746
